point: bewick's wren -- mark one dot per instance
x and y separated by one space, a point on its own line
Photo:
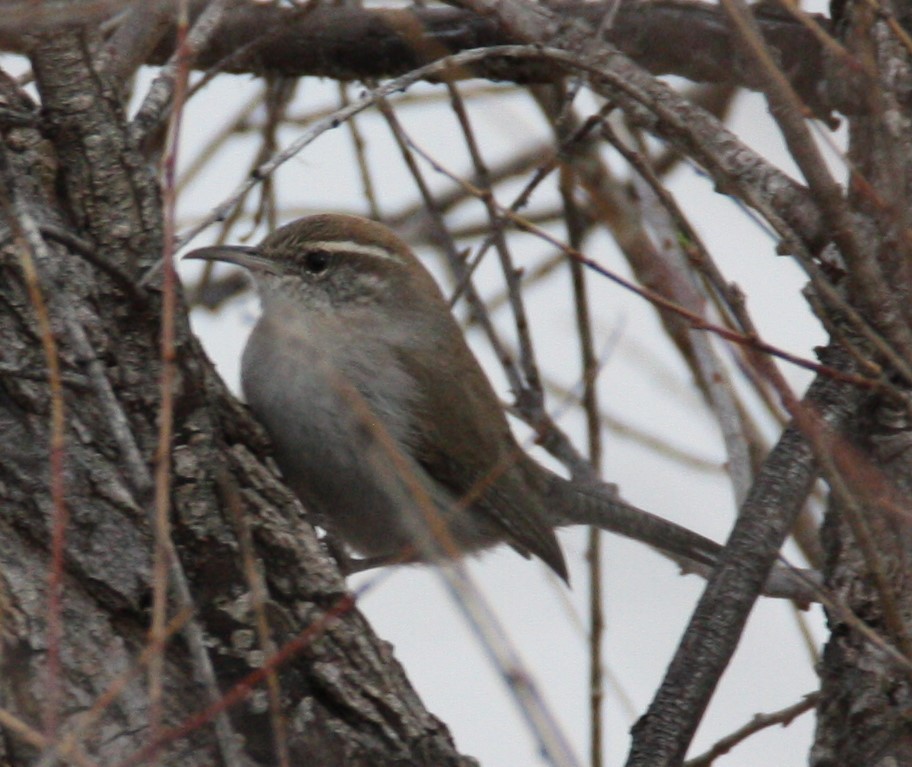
347 308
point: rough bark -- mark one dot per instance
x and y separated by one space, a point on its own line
344 698
866 698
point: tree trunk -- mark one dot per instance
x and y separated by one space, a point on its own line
243 556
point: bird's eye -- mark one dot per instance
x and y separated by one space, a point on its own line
316 261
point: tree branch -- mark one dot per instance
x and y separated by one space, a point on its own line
677 37
663 734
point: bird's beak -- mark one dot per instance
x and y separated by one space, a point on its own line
249 258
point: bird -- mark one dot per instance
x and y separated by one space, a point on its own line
383 421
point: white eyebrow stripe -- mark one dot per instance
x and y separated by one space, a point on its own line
349 246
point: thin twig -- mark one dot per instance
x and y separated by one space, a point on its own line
360 149
162 476
21 729
673 229
162 96
697 321
896 28
31 247
858 516
397 475
789 113
279 93
544 169
837 606
480 313
243 688
590 370
70 743
673 113
760 722
531 375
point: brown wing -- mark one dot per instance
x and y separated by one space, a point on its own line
464 442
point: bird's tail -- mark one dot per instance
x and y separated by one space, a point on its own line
575 503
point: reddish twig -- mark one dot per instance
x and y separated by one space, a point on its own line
697 321
57 452
28 237
245 686
162 477
67 747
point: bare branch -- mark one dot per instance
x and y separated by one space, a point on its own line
664 734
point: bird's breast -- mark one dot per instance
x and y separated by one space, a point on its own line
324 398
307 372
